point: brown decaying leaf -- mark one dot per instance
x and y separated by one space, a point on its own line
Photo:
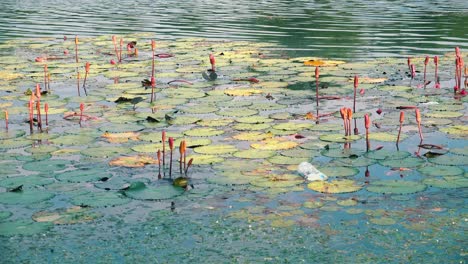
133 161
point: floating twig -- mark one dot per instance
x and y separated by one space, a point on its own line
402 118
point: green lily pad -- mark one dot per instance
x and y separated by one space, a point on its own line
11 134
47 165
444 114
447 182
5 215
215 122
254 154
215 149
27 181
254 119
336 171
356 162
339 138
100 199
25 197
237 112
382 221
441 170
205 159
184 120
313 204
341 153
74 140
250 127
335 186
409 162
67 216
384 154
277 181
396 187
386 137
84 175
327 127
460 151
203 132
140 191
450 160
105 152
347 202
459 130
283 160
23 227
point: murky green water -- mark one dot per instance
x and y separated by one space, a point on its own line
245 207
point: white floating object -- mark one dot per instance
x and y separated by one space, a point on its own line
429 103
311 173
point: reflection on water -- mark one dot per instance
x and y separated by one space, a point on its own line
338 29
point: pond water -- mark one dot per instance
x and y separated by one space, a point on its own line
333 29
90 188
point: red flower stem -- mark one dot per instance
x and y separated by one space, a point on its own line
317 90
38 109
170 166
367 140
120 54
399 132
6 120
78 82
45 76
76 49
436 78
152 66
425 66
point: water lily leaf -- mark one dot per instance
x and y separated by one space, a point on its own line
72 215
133 161
90 174
5 215
396 187
184 120
237 112
313 204
267 106
252 136
15 143
74 140
439 170
386 137
290 126
299 153
363 80
25 197
327 127
242 92
356 162
334 186
460 130
203 132
353 211
229 178
140 191
120 137
339 138
342 153
121 128
450 160
347 202
251 127
409 162
382 220
339 171
254 154
105 152
322 63
200 109
23 227
47 165
215 149
283 160
460 151
281 116
11 134
235 103
205 159
444 114
216 122
447 182
274 144
254 119
100 199
277 181
26 181
384 154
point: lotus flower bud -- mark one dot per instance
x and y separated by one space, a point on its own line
189 162
159 156
182 147
45 67
6 115
366 121
345 113
153 81
76 40
426 61
418 116
349 113
356 81
46 107
212 59
457 51
87 65
38 91
436 60
114 39
316 72
153 45
413 71
136 51
342 112
81 107
171 143
409 61
402 117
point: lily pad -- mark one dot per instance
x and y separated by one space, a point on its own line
386 137
336 171
23 227
215 149
27 181
410 162
25 197
254 154
335 186
203 132
447 182
450 160
140 191
339 138
100 199
67 216
47 165
440 170
396 187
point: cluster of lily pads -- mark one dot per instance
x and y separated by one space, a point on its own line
250 126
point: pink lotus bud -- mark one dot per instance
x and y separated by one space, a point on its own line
114 39
316 72
46 107
426 61
402 117
356 81
455 88
163 136
367 122
212 59
171 143
153 45
379 111
409 61
38 91
418 116
64 38
361 92
413 71
463 92
112 62
153 82
436 60
87 65
457 51
66 52
81 107
437 85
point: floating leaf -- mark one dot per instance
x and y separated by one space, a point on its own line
252 136
26 181
99 199
254 154
382 221
120 137
25 197
205 159
23 227
396 187
215 149
105 152
384 154
386 137
450 160
334 186
140 191
447 182
67 216
339 171
283 160
47 165
410 162
438 170
277 181
339 138
133 161
203 132
274 144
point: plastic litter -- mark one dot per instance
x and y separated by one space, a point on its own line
311 173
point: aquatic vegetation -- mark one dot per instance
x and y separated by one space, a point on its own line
240 141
